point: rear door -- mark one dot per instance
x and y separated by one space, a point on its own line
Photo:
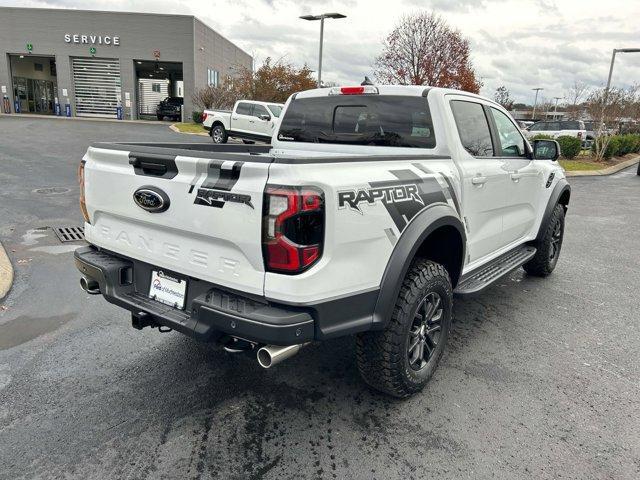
484 178
212 227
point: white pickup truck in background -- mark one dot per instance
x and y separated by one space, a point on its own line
558 128
249 120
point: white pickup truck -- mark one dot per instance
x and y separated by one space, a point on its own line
249 120
372 206
558 128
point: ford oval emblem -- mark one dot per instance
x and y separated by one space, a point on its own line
151 199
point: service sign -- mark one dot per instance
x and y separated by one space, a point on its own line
92 39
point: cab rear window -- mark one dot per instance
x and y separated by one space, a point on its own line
390 121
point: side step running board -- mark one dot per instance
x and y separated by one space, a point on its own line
487 274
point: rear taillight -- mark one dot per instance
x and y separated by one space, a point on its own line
579 134
83 204
293 228
203 117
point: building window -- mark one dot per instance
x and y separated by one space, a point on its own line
155 87
213 77
38 67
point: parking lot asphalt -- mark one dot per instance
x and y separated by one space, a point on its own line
541 378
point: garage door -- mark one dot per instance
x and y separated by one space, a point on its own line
97 86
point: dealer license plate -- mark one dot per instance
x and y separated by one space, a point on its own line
167 289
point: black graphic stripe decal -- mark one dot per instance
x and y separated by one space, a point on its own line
453 194
220 178
451 190
429 191
226 175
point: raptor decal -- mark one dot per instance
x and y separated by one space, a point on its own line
403 197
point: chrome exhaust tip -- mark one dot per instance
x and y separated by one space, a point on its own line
271 355
90 286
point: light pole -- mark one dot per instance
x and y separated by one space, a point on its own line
321 17
606 90
613 59
535 103
555 109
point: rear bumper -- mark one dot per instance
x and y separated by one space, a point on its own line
210 311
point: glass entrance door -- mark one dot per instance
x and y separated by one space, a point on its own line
35 96
43 96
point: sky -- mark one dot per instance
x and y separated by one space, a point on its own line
520 44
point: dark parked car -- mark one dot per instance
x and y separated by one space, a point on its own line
170 107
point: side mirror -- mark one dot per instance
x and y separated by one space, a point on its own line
546 150
264 117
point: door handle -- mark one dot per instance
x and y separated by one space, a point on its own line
515 176
479 180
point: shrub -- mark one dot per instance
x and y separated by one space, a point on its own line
541 136
196 116
626 144
631 143
569 146
614 147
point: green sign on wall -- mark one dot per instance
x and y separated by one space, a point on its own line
30 46
92 50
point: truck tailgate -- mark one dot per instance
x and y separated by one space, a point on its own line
211 229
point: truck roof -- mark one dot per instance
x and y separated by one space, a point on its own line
408 90
261 103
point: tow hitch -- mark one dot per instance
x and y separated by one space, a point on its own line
141 320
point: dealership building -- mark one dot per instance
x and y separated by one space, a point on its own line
107 64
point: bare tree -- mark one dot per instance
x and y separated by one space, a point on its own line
574 96
221 96
545 105
608 109
503 97
423 50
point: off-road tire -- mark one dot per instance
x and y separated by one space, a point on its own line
383 356
219 134
546 258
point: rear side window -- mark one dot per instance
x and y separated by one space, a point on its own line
473 128
389 120
243 109
571 126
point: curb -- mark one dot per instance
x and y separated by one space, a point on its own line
175 129
78 119
6 273
604 171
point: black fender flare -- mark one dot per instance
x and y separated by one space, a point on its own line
558 191
421 226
